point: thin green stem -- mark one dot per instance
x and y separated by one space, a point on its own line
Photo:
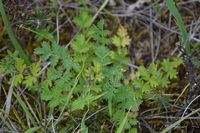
174 11
100 9
11 35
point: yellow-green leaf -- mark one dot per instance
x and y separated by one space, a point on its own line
122 38
125 41
99 77
17 79
29 80
116 41
35 70
20 66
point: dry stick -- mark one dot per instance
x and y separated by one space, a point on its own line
126 14
182 93
30 108
151 38
147 125
163 26
90 117
4 48
9 100
57 27
3 119
193 31
168 117
179 121
189 105
158 44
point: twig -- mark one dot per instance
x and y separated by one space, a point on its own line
9 99
182 92
189 105
179 121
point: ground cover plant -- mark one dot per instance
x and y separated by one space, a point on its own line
85 66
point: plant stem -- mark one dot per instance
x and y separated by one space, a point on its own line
11 35
174 11
100 9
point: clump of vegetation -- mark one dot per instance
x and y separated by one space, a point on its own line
90 75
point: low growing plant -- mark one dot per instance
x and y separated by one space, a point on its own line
91 73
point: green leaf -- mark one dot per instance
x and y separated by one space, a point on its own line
96 88
138 83
54 96
81 102
35 70
154 69
80 45
45 84
177 62
32 130
84 20
154 81
133 130
19 65
166 65
173 9
53 4
104 54
66 59
172 74
16 79
100 34
54 60
122 38
146 88
144 73
7 63
44 33
29 80
123 122
56 49
45 51
116 41
53 74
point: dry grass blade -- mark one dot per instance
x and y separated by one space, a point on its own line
179 121
26 110
8 100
